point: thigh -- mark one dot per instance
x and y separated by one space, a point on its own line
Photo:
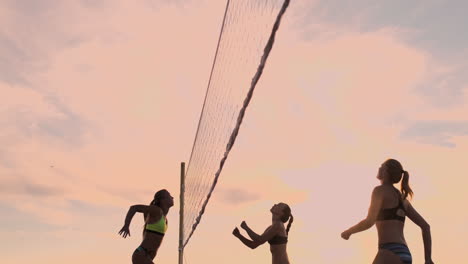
139 257
385 256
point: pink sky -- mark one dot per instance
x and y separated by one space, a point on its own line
101 103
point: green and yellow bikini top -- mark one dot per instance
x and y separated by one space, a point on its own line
159 227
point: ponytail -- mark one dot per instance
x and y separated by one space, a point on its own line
395 170
291 219
405 188
287 217
145 214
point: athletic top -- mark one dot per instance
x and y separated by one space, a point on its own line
159 227
391 213
277 240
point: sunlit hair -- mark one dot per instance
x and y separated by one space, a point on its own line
395 172
287 216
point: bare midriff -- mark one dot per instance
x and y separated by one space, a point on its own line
390 231
152 242
279 254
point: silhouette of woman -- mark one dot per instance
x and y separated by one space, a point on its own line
154 229
275 234
387 210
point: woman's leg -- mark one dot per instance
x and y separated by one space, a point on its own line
140 257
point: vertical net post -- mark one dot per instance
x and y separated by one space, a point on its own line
181 213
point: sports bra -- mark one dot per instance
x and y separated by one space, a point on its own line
159 227
278 240
392 213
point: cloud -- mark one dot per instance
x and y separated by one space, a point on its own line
28 36
439 133
29 189
30 115
446 84
132 195
19 221
69 127
431 28
238 196
439 39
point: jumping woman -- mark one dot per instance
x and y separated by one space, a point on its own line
154 229
275 234
387 210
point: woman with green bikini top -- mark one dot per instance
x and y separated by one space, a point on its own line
155 226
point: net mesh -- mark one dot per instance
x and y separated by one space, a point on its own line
246 38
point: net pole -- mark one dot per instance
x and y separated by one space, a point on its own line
181 213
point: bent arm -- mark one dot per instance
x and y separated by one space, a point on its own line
269 233
153 210
249 243
361 226
369 221
131 212
254 236
425 228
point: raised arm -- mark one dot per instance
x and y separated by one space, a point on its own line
254 236
146 209
368 222
425 228
269 233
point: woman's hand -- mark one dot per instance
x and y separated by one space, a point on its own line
345 235
125 231
236 232
244 225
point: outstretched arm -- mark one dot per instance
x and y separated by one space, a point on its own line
254 236
249 243
368 222
269 233
426 231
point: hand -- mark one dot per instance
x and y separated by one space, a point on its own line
236 232
345 235
125 231
244 225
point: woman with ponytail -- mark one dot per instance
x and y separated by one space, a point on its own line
388 210
155 226
276 234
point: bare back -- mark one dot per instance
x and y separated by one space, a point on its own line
391 231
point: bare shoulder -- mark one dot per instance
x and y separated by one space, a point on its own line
280 229
378 190
274 228
407 205
155 211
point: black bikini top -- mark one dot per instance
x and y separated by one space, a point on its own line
392 213
278 240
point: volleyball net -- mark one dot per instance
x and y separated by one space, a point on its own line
246 39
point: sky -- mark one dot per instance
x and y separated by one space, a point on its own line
101 99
